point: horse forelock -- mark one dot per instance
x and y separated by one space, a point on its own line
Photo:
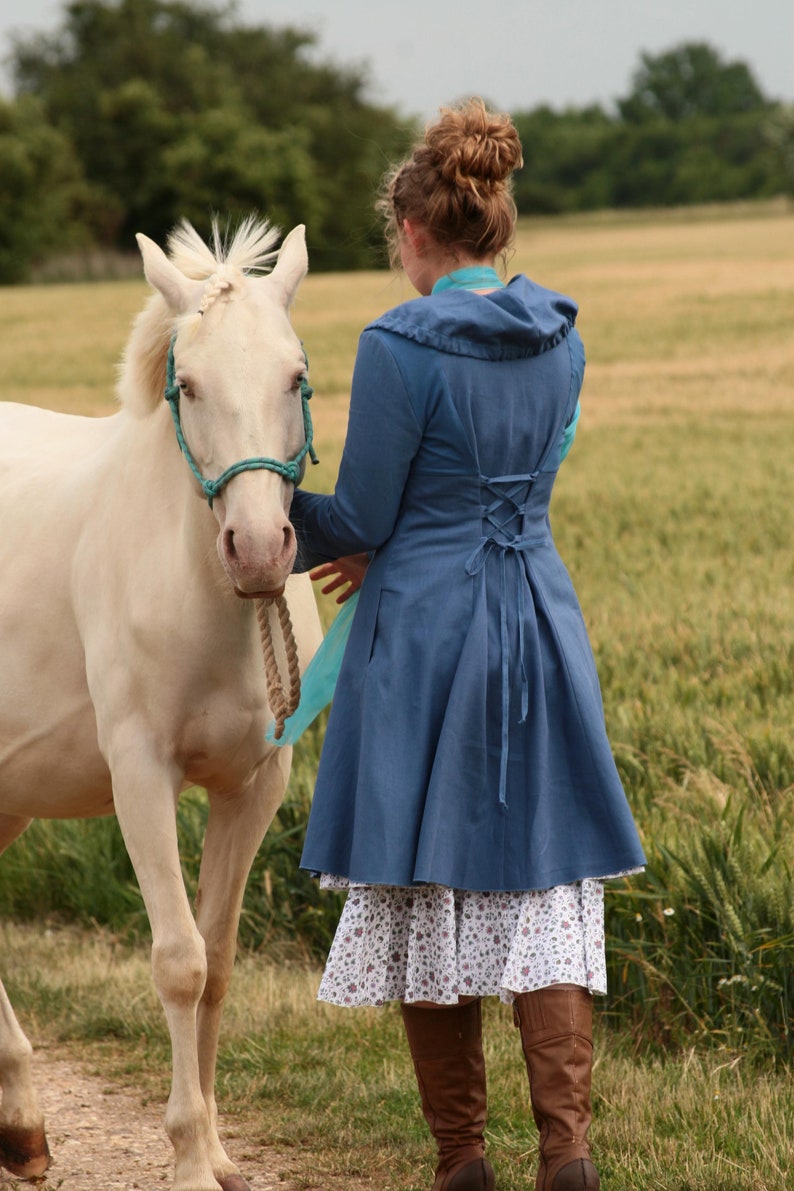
251 248
228 260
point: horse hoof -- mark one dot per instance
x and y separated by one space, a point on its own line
24 1152
234 1182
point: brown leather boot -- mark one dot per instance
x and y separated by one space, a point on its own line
556 1027
446 1047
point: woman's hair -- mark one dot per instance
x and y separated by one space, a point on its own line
457 183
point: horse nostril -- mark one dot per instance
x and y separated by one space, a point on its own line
228 544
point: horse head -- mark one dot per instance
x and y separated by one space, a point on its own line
237 389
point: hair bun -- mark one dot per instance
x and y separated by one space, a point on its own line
456 183
473 147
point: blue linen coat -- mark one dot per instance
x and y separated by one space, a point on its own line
466 743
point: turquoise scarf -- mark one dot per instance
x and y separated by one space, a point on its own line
472 277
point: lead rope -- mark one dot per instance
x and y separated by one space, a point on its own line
281 704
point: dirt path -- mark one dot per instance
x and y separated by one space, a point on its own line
106 1138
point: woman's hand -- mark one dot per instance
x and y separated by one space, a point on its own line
350 570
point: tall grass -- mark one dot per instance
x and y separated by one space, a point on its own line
673 515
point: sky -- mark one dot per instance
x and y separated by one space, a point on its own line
517 54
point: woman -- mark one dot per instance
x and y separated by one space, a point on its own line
466 796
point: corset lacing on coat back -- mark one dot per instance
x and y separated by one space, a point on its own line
503 525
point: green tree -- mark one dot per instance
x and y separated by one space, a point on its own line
41 189
779 134
690 80
176 108
222 152
692 130
565 154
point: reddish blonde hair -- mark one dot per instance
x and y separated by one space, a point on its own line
457 183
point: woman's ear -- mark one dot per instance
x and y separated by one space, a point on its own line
414 234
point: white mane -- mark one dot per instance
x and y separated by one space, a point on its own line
252 248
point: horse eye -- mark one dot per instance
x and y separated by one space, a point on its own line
185 389
298 381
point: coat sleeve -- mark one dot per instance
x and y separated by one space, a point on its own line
383 436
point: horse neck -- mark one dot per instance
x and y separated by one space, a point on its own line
160 480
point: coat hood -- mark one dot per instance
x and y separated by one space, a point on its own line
521 320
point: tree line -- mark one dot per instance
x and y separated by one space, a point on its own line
133 114
693 129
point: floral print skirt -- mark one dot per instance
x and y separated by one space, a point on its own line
431 943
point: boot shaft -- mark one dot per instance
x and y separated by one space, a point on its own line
446 1048
556 1026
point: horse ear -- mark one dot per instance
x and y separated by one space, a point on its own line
164 276
292 264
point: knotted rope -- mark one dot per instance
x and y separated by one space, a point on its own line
282 705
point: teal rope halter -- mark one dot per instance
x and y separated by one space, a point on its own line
211 488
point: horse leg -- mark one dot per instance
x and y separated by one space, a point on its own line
236 827
23 1144
145 794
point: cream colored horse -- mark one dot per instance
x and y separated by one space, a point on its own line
130 665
